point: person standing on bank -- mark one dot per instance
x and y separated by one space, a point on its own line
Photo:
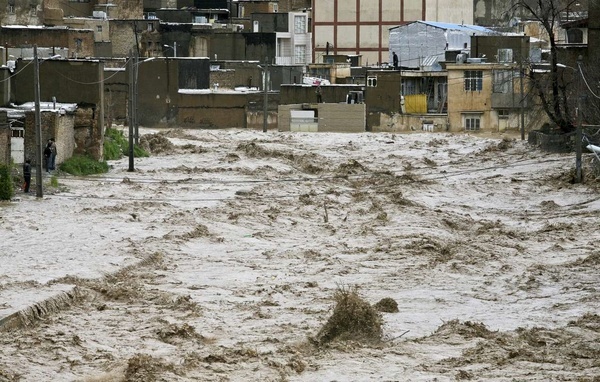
395 60
27 175
48 154
319 95
53 154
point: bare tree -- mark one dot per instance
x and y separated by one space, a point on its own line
552 85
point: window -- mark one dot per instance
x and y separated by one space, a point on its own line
299 24
275 8
18 133
11 9
575 36
99 28
503 81
408 87
472 122
33 10
503 113
300 54
505 55
372 82
473 80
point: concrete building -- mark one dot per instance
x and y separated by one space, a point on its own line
362 27
485 96
291 33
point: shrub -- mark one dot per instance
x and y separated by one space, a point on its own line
139 152
116 145
387 305
352 318
83 165
7 189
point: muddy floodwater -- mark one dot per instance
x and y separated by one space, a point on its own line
220 258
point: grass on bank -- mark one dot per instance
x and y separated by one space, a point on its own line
115 146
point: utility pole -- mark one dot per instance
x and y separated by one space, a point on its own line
39 192
130 69
266 101
578 134
521 75
135 98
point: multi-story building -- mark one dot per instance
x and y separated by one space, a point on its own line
361 27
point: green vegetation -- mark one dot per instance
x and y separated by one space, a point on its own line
7 189
116 145
54 181
83 165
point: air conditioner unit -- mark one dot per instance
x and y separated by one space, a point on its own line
99 14
476 60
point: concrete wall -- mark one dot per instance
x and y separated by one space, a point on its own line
385 97
271 22
226 110
159 83
294 94
70 81
409 122
488 46
337 118
4 86
50 37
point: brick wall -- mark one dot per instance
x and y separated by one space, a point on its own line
225 79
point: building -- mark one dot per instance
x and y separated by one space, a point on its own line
291 33
416 42
362 27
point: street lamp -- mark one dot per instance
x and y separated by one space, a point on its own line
39 192
174 47
132 68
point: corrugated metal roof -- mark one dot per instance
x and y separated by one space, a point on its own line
458 27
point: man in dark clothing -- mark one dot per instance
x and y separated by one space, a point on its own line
27 175
53 154
48 154
395 60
